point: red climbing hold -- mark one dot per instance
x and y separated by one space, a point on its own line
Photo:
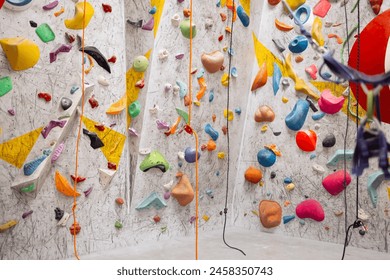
112 59
111 165
78 179
94 103
188 129
306 140
107 8
100 126
140 83
45 95
311 209
75 229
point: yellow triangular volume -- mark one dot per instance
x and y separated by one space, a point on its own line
16 150
113 141
117 107
246 4
265 55
159 4
131 90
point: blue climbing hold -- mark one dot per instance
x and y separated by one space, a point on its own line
298 44
238 111
190 155
243 16
296 118
338 156
266 157
74 89
276 77
302 222
182 88
302 14
153 200
287 180
373 182
211 132
317 116
233 72
200 73
312 156
211 95
288 218
153 10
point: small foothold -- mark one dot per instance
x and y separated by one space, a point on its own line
111 165
168 88
88 192
298 58
228 114
50 6
225 79
318 168
163 55
136 23
119 201
106 8
118 225
288 218
221 155
57 152
112 59
66 103
312 71
224 130
273 175
279 45
11 111
149 25
78 179
52 124
73 89
208 23
133 132
237 111
329 141
153 10
187 13
285 83
273 2
70 37
93 102
44 95
26 214
179 56
103 81
317 126
290 187
134 109
211 95
317 116
175 20
58 213
287 180
180 155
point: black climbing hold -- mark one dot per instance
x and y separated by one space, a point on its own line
279 45
96 143
98 57
329 141
306 196
66 103
273 174
311 105
138 23
33 23
59 213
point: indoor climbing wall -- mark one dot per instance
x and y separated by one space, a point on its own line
297 147
39 127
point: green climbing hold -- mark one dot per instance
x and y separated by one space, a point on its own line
140 64
118 225
134 109
185 29
182 114
5 85
154 160
28 189
45 33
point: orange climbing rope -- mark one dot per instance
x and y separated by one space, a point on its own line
79 136
196 143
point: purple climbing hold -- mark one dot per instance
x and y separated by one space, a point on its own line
50 6
149 25
59 48
162 125
52 124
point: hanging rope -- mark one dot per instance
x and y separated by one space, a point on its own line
79 136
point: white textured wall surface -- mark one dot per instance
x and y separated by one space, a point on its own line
38 237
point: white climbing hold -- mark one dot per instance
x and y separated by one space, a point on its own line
175 20
318 168
163 55
176 89
180 155
145 151
362 215
154 110
103 81
105 176
317 126
208 23
63 220
168 186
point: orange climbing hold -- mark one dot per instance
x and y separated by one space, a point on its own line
261 77
283 26
270 213
173 128
183 191
118 106
253 175
203 87
338 38
211 146
63 185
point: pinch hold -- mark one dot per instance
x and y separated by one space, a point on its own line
77 22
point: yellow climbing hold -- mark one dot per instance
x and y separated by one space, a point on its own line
264 128
221 155
388 192
20 52
290 187
225 80
117 107
206 218
197 103
294 4
254 212
261 183
16 150
228 114
8 225
316 31
63 186
284 99
77 21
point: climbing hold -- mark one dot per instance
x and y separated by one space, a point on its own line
45 33
149 25
266 157
304 16
154 160
103 81
221 155
318 168
376 6
273 2
312 71
261 77
270 213
5 85
279 45
52 124
311 209
321 8
57 152
44 95
117 107
225 79
185 29
59 12
316 32
161 125
93 102
50 6
273 175
306 140
32 23
228 114
182 88
97 56
153 200
137 24
288 218
134 109
211 146
11 112
190 155
282 26
339 156
175 20
276 77
105 176
373 182
133 132
317 116
119 201
96 143
336 182
74 89
75 229
213 61
106 8
211 95
8 225
58 213
296 118
118 225
63 186
294 4
244 18
28 189
78 179
20 52
329 140
88 191
26 214
253 175
211 132
66 103
264 114
233 72
59 48
298 44
290 187
287 180
81 16
329 103
237 111
183 191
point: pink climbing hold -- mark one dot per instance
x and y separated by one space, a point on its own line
329 103
311 209
149 25
334 183
312 71
321 9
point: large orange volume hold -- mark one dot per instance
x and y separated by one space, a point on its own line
63 185
183 191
